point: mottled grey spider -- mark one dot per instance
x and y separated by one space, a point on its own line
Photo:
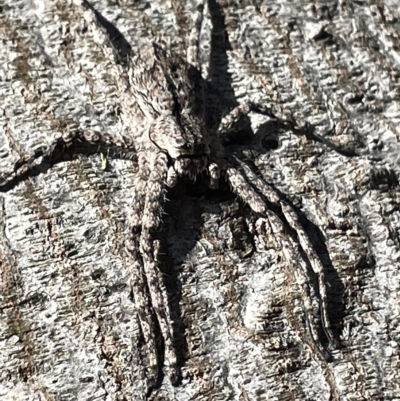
176 143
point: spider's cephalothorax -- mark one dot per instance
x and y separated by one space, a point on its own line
168 91
188 154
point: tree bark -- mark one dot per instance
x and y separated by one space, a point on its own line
69 328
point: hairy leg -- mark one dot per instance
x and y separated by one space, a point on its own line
139 286
131 114
27 160
256 181
317 267
145 315
153 209
192 54
244 190
298 270
299 127
125 144
243 183
235 115
150 189
293 221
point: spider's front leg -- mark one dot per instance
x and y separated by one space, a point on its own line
275 227
138 282
151 189
243 181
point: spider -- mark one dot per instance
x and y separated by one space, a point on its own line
177 144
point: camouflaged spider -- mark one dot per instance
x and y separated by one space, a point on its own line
176 143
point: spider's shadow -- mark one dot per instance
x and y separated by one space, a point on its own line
220 92
118 41
221 99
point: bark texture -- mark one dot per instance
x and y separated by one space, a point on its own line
68 324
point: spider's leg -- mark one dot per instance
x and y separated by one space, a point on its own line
27 160
256 181
317 267
291 254
144 312
144 171
241 187
243 184
130 109
235 115
153 208
293 221
300 127
137 274
244 190
192 54
150 189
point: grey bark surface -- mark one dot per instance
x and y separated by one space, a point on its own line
68 325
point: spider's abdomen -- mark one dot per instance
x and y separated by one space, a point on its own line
169 92
165 83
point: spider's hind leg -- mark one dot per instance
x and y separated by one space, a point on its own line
148 199
144 313
292 219
244 190
192 54
137 276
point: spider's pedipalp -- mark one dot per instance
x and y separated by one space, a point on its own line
172 177
190 168
215 173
